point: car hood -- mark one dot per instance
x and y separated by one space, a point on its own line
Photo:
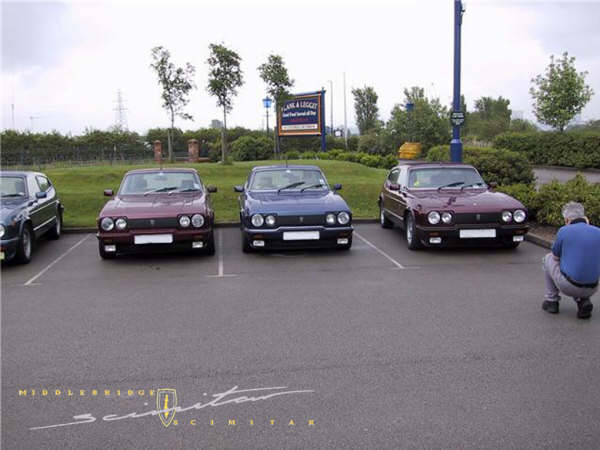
154 205
465 201
294 202
10 207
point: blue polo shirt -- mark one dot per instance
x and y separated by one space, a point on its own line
578 247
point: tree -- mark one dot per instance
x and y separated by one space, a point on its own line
276 77
522 126
428 122
224 79
365 107
176 83
490 117
560 94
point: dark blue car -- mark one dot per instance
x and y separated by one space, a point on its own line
292 207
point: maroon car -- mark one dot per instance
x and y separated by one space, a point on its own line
449 204
157 209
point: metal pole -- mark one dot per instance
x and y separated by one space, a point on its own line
345 118
456 145
323 128
331 105
267 122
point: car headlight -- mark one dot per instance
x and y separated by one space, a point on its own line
506 216
121 223
257 220
519 215
2 231
330 219
343 218
197 220
184 221
107 224
446 217
270 221
433 217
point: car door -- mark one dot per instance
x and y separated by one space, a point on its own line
49 203
389 201
35 206
400 196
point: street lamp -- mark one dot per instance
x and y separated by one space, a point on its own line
457 117
267 104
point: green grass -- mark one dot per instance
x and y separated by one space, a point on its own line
81 188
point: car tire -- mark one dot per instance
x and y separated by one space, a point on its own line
103 254
412 241
25 246
246 248
56 230
210 246
384 221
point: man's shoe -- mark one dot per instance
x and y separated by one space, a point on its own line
551 307
584 308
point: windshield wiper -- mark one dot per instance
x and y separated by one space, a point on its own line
13 195
311 187
290 186
456 183
164 189
183 190
470 185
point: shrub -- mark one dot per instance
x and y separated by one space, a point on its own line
580 149
353 143
495 165
292 154
371 143
324 155
250 148
371 160
389 161
309 155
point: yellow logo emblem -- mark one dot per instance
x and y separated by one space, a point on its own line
166 401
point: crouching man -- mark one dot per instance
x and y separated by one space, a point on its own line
573 267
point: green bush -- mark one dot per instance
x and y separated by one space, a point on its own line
389 161
292 154
250 148
309 155
580 149
371 143
495 165
371 160
353 143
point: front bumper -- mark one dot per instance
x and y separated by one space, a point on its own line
273 237
450 235
182 239
8 248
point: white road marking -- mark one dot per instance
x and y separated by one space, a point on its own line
49 266
220 270
381 252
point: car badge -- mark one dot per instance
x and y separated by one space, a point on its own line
301 219
152 222
478 217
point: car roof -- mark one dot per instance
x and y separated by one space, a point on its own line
156 169
289 166
426 165
19 173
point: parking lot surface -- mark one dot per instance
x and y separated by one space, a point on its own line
378 347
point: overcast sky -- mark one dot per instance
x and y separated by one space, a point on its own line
62 63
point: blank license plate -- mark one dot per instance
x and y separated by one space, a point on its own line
301 235
153 239
468 234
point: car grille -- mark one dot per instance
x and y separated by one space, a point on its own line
163 222
474 218
287 221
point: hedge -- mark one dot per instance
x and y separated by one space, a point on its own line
545 205
250 148
580 149
495 165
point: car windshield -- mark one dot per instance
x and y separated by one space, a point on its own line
12 187
160 182
288 179
440 177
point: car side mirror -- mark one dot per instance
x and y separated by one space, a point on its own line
337 187
211 189
394 187
41 194
108 192
493 185
238 189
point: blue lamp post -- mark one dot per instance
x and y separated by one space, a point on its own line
458 117
267 104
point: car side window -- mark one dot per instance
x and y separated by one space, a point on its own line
393 176
43 183
403 179
33 186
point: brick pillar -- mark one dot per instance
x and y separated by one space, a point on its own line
157 151
193 150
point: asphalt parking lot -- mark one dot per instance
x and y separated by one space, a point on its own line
378 347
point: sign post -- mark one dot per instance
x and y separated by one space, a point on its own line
304 115
456 146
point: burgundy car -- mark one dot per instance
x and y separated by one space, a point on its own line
449 204
157 209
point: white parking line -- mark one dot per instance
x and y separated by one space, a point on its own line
381 252
220 270
30 282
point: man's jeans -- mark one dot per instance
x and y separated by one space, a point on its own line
556 282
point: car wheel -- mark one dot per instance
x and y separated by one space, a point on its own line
210 245
56 230
25 247
104 254
412 240
246 248
384 221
